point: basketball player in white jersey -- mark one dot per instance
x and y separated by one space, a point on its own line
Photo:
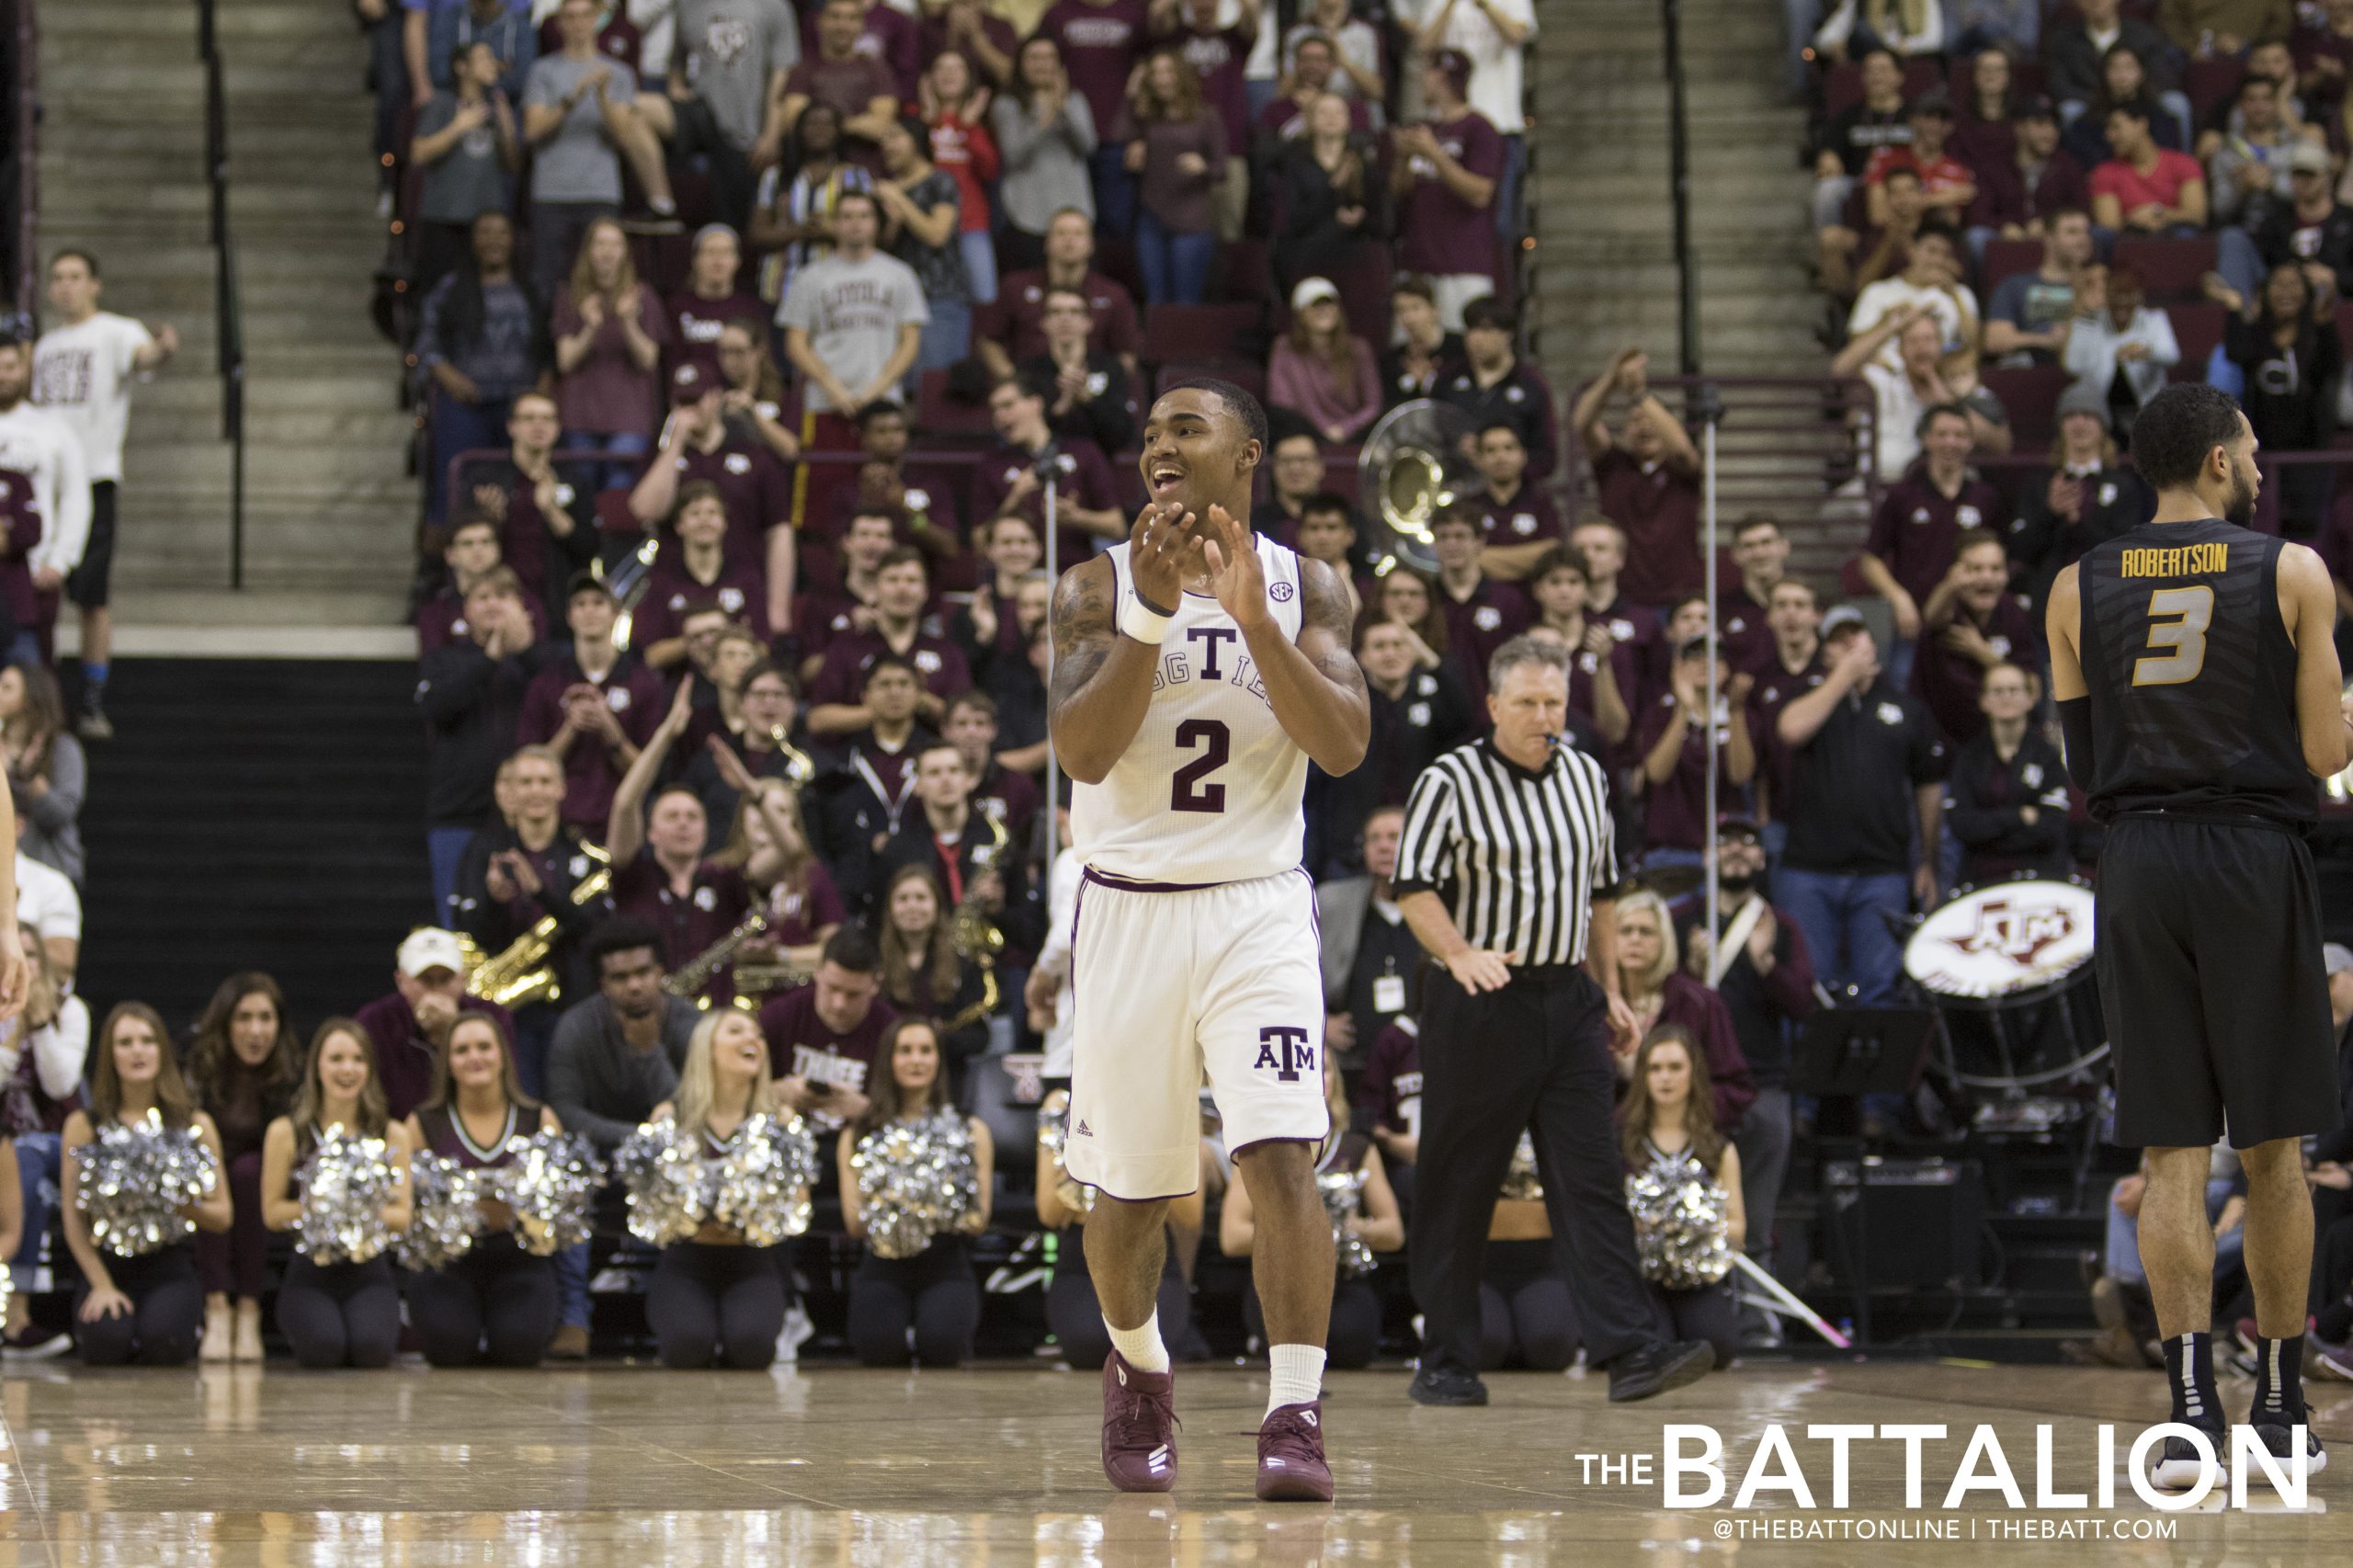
1197 668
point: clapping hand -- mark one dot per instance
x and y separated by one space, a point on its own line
1237 575
1162 551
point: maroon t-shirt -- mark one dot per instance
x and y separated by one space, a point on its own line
1086 478
1584 668
931 33
1915 527
695 324
742 590
713 906
1100 45
1641 643
819 619
1775 687
1390 1089
1443 233
606 393
590 775
796 916
1493 614
442 620
1008 798
756 489
1659 509
848 658
1527 518
847 84
1677 813
1948 683
800 1045
1747 640
1017 320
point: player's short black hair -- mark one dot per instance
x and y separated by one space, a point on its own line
1240 403
2176 428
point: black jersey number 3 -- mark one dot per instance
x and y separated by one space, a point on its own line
2177 621
1185 791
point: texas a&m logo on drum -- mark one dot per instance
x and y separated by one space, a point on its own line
1997 940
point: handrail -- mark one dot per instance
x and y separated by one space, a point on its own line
28 85
226 312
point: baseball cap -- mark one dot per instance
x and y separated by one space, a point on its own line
1310 289
1456 64
2304 157
2337 958
585 581
2081 399
688 382
1840 619
428 947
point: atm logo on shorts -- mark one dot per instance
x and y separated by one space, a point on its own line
1286 1050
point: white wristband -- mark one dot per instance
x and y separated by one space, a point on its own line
1144 623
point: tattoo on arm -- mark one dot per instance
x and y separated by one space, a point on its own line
1327 606
1081 620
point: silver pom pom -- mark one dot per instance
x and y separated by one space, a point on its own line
1520 1183
343 1188
764 1180
1053 1132
1681 1233
671 1190
916 1180
1344 1200
133 1182
445 1214
549 1182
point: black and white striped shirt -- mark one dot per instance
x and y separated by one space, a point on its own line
1515 856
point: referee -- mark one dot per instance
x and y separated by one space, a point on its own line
1507 865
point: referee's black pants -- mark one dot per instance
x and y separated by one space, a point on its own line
1533 1056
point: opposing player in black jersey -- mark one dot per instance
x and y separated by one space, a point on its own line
2197 685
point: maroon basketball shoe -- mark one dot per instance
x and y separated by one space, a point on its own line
1290 1455
1139 1428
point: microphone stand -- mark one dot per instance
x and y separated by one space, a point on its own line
1706 405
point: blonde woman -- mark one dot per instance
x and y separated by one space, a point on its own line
714 1297
610 331
142 1309
335 1314
1658 993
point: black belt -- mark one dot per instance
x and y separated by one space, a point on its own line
2212 819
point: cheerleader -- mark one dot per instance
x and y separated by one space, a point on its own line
1526 1318
713 1295
143 1309
1669 1119
343 1314
1074 1313
934 1292
241 1071
497 1303
1354 1336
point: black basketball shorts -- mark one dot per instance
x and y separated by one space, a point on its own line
2210 979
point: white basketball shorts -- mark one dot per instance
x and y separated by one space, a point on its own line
1173 984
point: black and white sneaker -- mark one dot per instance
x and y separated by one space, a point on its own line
2178 1465
2280 1441
34 1344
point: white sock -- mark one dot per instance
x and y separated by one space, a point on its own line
1141 1347
1297 1376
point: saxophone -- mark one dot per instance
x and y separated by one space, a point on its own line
975 935
518 976
798 768
752 981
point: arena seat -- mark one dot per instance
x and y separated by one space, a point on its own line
2006 259
2031 396
2169 268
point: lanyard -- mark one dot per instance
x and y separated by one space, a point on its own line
894 805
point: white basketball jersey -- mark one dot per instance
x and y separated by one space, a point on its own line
1210 788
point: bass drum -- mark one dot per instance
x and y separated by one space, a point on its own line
2008 969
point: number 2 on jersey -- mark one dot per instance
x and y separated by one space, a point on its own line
2177 620
1185 791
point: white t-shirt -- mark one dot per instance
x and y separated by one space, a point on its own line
852 311
1954 308
1496 89
46 900
1897 423
82 373
39 444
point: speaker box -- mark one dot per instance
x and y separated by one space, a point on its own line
1906 1223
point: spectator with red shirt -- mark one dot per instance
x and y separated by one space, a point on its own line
2124 74
902 589
1947 185
2145 188
838 72
956 111
1218 54
822 1037
594 706
712 296
1015 328
659 873
1970 624
699 442
1012 475
693 569
1444 174
986 628
1648 481
1482 614
1984 136
1919 518
546 513
1100 41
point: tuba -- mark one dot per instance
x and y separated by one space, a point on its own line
975 935
628 583
752 981
518 976
798 768
1411 465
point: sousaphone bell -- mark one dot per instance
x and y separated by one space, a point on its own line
1413 464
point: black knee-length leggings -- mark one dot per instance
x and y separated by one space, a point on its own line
1524 1314
497 1305
167 1306
1353 1337
722 1303
1075 1315
340 1314
934 1293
